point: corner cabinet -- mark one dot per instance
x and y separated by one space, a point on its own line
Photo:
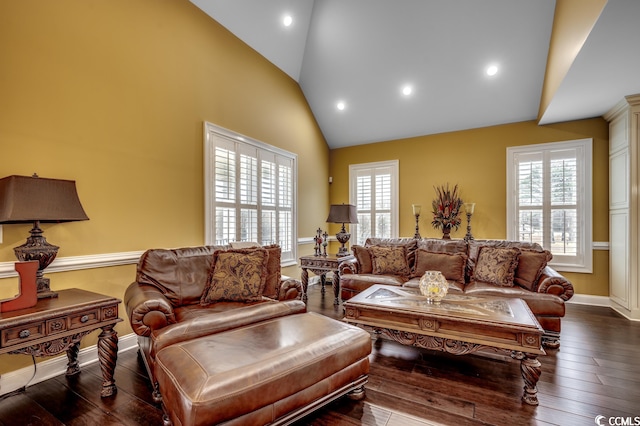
624 228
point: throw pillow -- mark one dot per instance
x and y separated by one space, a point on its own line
364 259
391 260
496 265
530 266
237 276
274 273
450 264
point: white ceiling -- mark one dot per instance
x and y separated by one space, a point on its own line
362 52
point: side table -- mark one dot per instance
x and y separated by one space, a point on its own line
320 265
58 324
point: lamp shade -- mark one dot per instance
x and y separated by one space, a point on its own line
342 213
25 199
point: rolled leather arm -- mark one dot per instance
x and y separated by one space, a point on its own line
148 309
551 282
290 289
349 266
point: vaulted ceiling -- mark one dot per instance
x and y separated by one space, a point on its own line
364 53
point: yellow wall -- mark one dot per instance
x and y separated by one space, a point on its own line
113 94
476 160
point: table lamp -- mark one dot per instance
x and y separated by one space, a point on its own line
343 213
36 200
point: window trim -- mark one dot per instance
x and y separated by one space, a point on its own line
585 198
210 132
395 193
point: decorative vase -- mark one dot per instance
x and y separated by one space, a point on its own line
433 286
446 230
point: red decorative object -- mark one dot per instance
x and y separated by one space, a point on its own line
28 295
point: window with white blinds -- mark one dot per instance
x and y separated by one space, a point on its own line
549 200
249 191
374 191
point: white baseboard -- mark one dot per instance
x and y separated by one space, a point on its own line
588 299
57 366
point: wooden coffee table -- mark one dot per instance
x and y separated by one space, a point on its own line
459 325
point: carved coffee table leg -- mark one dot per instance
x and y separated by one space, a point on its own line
108 354
304 277
323 279
530 369
72 355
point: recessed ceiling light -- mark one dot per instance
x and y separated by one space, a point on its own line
287 20
341 106
406 90
492 70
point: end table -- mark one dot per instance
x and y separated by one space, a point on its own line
320 265
58 324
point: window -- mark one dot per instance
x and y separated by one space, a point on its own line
549 200
374 191
249 192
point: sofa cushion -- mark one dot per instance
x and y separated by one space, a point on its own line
454 286
530 265
539 303
450 264
364 259
438 245
389 260
497 265
360 282
410 244
238 275
476 245
181 274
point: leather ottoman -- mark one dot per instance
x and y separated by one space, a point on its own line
272 372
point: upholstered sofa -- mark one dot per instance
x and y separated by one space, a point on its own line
171 301
478 267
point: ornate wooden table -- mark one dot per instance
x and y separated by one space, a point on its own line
320 265
58 324
459 325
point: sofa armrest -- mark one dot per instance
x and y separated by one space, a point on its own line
148 309
290 289
551 282
349 266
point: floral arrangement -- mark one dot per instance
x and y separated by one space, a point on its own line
446 207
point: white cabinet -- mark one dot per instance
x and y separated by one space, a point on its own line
624 229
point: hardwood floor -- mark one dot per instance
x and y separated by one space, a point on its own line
595 372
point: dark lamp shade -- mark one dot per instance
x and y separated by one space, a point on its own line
25 199
342 213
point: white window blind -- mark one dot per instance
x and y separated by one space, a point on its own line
374 191
549 200
249 191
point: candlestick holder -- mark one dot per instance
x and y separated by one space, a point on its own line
416 213
469 207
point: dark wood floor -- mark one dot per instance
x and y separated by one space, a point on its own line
595 372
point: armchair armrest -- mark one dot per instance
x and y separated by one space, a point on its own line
349 266
148 309
290 289
551 282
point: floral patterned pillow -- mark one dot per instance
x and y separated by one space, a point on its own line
497 265
237 276
391 260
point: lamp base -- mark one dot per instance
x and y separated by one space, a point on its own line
37 248
343 236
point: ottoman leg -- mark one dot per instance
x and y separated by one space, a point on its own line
357 394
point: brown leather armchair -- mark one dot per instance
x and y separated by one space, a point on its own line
163 303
